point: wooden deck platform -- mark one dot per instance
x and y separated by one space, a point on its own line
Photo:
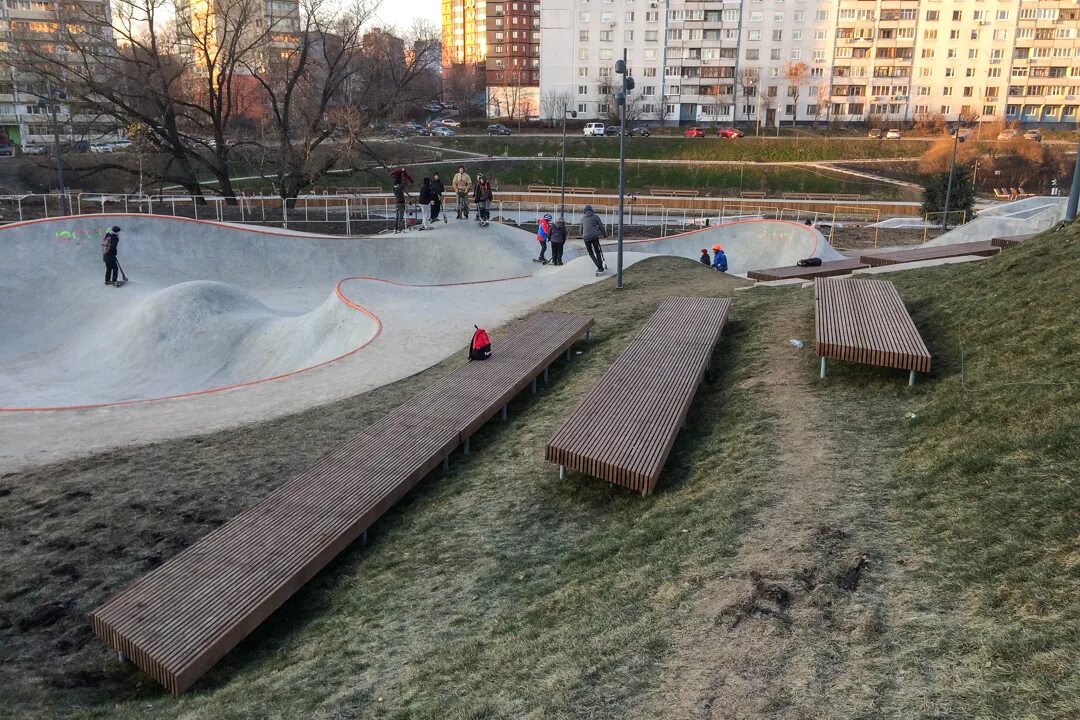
937 252
625 427
865 321
825 269
1009 241
180 619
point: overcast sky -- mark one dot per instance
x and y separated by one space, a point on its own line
400 13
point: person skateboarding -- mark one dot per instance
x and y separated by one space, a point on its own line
543 233
109 244
462 183
557 240
592 229
480 347
719 261
482 197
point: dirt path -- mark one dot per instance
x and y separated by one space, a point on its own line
784 631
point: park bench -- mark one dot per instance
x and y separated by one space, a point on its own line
935 252
752 195
1003 194
625 427
542 188
177 621
1009 241
865 321
846 197
580 191
796 196
825 269
675 193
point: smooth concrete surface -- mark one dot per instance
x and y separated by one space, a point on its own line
222 325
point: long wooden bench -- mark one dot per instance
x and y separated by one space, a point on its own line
180 619
936 252
1010 241
752 195
674 193
825 269
865 321
625 427
542 188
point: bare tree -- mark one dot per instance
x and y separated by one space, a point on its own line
553 106
463 85
796 74
749 80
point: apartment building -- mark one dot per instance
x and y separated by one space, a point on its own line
464 32
512 67
26 99
775 61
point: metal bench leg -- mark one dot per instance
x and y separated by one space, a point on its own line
588 335
363 538
822 367
562 472
545 376
120 657
534 386
567 356
504 412
911 378
466 446
446 464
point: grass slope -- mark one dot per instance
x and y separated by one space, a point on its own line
500 591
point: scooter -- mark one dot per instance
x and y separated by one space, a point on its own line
123 275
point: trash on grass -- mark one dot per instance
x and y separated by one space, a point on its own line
796 343
910 415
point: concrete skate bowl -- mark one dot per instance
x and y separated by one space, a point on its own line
748 244
209 307
1020 217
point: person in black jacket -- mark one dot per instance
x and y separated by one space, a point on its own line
592 229
437 190
108 253
557 240
425 203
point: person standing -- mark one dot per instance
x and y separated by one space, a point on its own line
437 190
462 184
543 232
719 260
482 197
704 259
592 229
399 205
558 240
109 244
425 203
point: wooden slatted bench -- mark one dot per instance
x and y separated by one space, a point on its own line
542 188
581 191
752 195
1009 241
674 193
825 269
936 252
180 619
865 321
625 427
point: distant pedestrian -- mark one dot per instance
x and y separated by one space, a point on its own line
704 259
543 232
719 261
462 184
425 203
399 205
558 240
483 196
109 244
808 223
437 191
592 229
400 174
1054 190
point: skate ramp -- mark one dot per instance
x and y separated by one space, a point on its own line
748 244
1021 217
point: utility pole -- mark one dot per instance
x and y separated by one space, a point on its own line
952 171
627 85
562 163
51 105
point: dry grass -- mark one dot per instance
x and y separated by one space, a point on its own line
931 573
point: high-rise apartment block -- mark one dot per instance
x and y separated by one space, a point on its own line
773 61
464 32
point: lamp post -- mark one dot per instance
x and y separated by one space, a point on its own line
620 98
952 172
562 162
43 103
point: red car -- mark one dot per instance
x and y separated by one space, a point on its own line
730 133
695 132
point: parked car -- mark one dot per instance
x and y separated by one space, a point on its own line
729 133
442 131
694 132
613 131
450 123
121 145
7 151
593 129
1008 134
498 129
101 148
893 134
1033 135
874 133
34 149
640 132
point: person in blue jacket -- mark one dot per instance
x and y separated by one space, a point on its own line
543 233
719 260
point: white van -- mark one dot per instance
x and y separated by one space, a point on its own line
594 130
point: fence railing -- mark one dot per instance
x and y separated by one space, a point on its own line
341 211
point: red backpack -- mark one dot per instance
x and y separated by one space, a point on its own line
480 348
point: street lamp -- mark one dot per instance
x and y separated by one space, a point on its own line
620 99
52 105
562 163
952 172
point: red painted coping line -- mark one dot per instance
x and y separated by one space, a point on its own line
225 225
258 381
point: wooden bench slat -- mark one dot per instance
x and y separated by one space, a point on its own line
625 426
935 252
180 619
826 269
